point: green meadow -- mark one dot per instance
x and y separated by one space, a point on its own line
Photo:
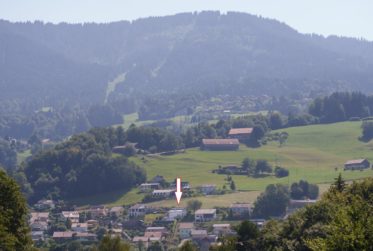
314 153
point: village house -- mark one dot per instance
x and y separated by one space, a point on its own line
147 187
39 226
37 235
220 144
62 236
297 204
208 189
44 205
165 193
73 216
68 235
241 134
92 224
156 229
221 229
184 185
146 241
258 222
98 211
85 236
176 214
39 216
116 211
116 232
137 210
357 164
124 148
198 234
158 235
202 215
79 227
240 209
185 229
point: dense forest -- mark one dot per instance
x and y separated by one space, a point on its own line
80 166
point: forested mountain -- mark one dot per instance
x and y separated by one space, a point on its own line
190 55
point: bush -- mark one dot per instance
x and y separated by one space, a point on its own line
281 172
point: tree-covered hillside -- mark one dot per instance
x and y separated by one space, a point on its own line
161 67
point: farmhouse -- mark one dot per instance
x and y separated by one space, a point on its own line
357 164
220 144
240 209
163 193
202 215
145 187
208 189
240 133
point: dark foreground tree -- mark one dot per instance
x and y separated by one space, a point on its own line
113 244
14 232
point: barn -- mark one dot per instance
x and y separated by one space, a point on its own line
357 164
220 144
240 133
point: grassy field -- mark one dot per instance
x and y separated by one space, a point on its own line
315 153
22 156
312 153
213 200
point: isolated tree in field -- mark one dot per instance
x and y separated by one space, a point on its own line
339 183
14 232
194 205
249 165
233 186
283 138
367 133
262 166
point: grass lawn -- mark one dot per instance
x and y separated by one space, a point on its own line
315 153
22 156
212 200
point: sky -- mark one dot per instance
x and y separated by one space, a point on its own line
352 18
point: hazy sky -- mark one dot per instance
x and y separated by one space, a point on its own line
342 17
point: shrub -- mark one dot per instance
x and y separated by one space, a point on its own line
281 172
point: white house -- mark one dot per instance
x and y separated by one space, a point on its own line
73 216
163 193
176 213
147 187
137 210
